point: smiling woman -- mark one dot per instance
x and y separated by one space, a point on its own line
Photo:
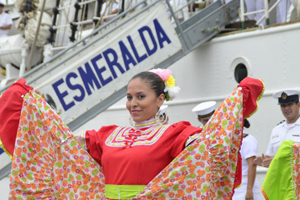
146 161
145 95
134 156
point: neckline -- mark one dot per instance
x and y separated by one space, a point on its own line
289 125
147 123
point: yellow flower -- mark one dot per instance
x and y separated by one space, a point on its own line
170 81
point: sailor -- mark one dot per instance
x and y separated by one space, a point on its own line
282 11
5 22
251 6
288 129
204 111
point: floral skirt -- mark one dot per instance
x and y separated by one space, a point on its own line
48 162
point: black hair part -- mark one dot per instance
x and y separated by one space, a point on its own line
246 123
156 83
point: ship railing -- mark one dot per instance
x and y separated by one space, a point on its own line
265 10
183 10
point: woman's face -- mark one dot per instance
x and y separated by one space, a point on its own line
142 102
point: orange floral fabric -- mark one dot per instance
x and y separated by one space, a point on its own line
207 168
296 168
48 163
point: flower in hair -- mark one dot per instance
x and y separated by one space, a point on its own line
162 73
171 90
170 82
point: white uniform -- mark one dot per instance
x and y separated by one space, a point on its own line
254 5
5 19
282 10
248 149
112 8
281 132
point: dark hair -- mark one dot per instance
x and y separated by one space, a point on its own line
2 5
156 83
246 123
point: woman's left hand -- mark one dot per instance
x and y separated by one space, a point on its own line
38 92
249 195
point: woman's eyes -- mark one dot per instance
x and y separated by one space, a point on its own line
141 96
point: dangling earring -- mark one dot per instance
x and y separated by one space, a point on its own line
131 122
162 118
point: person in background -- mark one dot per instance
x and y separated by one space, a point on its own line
204 111
282 11
249 188
289 129
5 22
254 5
251 6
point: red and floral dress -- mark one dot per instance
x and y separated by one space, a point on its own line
134 156
49 162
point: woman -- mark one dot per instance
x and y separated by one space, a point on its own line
249 188
131 162
159 144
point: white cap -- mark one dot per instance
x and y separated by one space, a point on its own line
204 108
278 94
163 109
287 96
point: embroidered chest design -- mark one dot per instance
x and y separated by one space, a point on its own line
129 137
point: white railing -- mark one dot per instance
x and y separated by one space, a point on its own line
183 9
265 10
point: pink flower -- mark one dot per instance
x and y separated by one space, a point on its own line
162 73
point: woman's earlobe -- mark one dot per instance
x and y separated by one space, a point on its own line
161 99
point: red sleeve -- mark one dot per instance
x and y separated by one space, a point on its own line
182 130
93 145
95 140
11 103
252 90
